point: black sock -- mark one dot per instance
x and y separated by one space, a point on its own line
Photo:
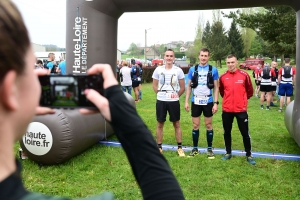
179 145
195 136
159 146
209 137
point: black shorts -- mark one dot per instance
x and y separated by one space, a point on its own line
135 84
198 109
273 88
257 83
172 107
265 88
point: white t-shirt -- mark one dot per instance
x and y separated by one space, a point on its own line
168 82
126 72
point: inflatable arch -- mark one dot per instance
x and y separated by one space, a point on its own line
91 37
92 27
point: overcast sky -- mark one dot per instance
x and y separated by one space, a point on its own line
46 23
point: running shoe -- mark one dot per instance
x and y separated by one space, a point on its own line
210 154
251 160
194 152
160 150
180 152
227 156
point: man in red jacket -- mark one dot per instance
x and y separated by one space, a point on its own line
236 88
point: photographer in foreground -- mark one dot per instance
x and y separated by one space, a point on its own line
20 93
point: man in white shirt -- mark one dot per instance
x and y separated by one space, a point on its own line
169 85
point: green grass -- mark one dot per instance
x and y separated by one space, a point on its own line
106 168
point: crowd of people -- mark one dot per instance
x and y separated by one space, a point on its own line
52 66
271 81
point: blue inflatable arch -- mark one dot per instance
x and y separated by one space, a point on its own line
92 33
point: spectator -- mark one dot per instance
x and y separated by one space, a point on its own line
286 80
236 88
39 65
125 77
266 75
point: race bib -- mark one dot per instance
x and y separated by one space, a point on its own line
273 83
200 100
171 96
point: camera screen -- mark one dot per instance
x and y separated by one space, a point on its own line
68 91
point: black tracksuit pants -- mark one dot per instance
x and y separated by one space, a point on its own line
242 121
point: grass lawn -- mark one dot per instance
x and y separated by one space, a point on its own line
104 168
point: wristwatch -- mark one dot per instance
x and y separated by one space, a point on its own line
216 102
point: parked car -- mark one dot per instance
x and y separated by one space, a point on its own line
251 63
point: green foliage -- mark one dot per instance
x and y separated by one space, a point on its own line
206 34
135 51
179 54
276 25
256 47
217 43
235 41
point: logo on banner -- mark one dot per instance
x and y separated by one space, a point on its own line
38 139
80 45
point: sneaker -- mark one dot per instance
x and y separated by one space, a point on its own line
194 152
268 108
160 150
227 156
210 154
257 96
261 107
180 152
251 160
280 110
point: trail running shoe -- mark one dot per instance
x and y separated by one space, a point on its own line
180 152
268 108
227 156
261 107
194 152
160 150
210 154
251 160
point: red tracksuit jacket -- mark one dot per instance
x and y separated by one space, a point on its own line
235 88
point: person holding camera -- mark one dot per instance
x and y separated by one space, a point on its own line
20 93
204 86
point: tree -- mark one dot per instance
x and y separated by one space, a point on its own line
235 41
275 25
193 51
218 43
134 50
256 47
206 34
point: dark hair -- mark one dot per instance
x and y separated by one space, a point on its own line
204 50
231 56
39 62
170 50
14 39
287 60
